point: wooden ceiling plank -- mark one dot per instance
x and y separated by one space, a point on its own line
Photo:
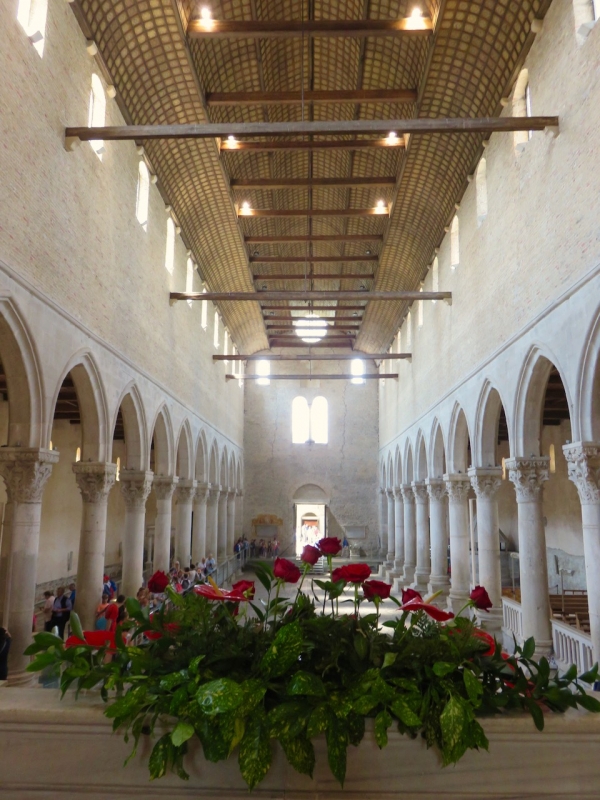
316 97
310 183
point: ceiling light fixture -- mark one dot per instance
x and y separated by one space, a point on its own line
381 207
416 20
311 328
205 14
392 137
245 209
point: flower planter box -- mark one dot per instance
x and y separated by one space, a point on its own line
51 749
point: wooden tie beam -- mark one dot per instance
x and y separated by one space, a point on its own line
309 259
276 145
222 130
313 212
325 295
314 277
314 97
287 318
311 238
321 306
284 29
315 357
373 376
311 183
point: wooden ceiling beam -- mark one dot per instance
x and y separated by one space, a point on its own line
313 238
318 307
310 183
348 344
273 145
373 376
315 357
286 317
313 212
314 97
285 29
309 259
307 296
293 328
222 130
312 277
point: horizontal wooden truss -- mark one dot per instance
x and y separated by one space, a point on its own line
310 238
313 212
373 376
314 357
325 295
309 259
284 29
348 276
314 97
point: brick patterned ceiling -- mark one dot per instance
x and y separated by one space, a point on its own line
462 70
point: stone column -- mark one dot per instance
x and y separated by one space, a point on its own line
212 518
396 572
184 497
438 513
230 520
95 480
583 460
391 530
410 537
486 483
163 486
528 476
135 488
222 549
199 523
458 487
5 564
25 472
239 514
423 569
383 510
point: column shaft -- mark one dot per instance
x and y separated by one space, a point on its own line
391 529
5 564
222 550
528 476
398 535
457 487
230 521
95 480
383 512
212 517
423 569
163 489
135 487
410 534
486 483
439 580
199 523
184 496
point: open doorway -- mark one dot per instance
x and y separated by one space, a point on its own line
310 524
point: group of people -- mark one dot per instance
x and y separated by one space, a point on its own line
261 548
57 608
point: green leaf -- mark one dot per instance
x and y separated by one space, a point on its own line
383 721
41 661
43 640
194 665
306 683
588 702
319 720
219 696
287 719
536 713
361 645
134 609
173 679
300 752
571 673
75 624
362 705
284 652
473 687
442 668
214 744
389 659
254 691
159 757
337 744
454 721
182 732
590 676
355 725
408 717
528 648
255 751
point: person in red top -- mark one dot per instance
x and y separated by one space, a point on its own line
112 612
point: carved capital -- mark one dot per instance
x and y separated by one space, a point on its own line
135 487
457 487
583 462
528 476
407 493
398 495
420 492
25 471
436 489
164 486
185 491
202 492
390 494
486 482
213 495
94 479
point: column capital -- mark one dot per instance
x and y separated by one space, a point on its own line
583 462
135 487
390 494
231 495
528 476
202 492
407 493
420 492
457 486
240 493
164 486
485 481
185 490
95 479
436 489
398 495
214 493
25 471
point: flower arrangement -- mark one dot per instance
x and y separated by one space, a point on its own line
237 674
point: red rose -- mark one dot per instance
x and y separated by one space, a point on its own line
410 594
373 589
330 546
310 555
286 570
246 588
434 612
352 573
158 582
481 598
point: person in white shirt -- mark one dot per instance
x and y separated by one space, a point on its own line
47 611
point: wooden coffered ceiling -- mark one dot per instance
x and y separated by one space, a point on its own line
269 61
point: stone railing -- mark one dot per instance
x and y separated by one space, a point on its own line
571 646
512 615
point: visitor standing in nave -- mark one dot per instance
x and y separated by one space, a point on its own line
61 611
47 610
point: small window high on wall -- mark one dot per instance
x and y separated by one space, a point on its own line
586 13
435 276
216 331
32 16
408 331
226 344
357 368
310 423
300 420
318 421
481 191
420 311
97 113
521 107
170 247
454 244
204 311
143 195
263 368
189 280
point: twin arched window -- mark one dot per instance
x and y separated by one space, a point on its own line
310 423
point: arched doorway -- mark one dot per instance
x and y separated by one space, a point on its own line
310 514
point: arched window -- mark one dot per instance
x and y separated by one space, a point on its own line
300 421
32 16
454 243
481 191
409 331
521 107
226 344
586 13
118 473
97 113
435 276
318 421
143 195
170 247
204 311
78 454
263 368
189 280
420 310
399 341
357 368
216 331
